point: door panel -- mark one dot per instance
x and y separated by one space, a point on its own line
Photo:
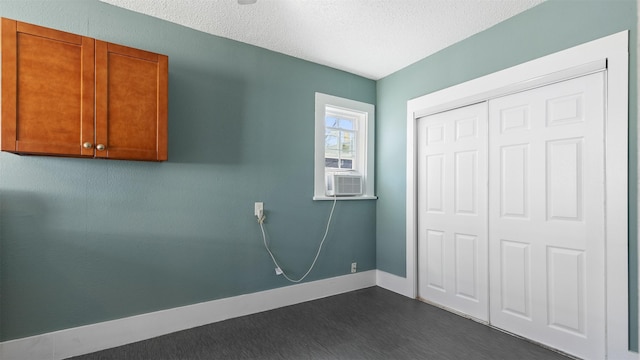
466 260
566 297
435 260
435 182
466 165
564 179
514 194
546 219
452 220
515 297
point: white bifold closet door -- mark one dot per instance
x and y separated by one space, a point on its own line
452 188
511 213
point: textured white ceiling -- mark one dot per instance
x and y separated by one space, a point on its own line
372 38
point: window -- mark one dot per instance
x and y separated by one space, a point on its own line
341 130
343 143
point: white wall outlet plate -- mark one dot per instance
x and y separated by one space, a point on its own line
258 209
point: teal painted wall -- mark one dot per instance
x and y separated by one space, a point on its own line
550 27
84 241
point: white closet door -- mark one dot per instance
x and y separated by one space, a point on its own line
546 217
452 208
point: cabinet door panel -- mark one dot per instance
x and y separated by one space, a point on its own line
131 102
48 91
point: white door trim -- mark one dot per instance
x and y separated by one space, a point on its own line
613 48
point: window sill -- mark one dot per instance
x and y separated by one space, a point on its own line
342 198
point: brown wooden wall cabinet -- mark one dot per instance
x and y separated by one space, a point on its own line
70 95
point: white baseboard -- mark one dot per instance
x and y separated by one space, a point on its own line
95 337
395 283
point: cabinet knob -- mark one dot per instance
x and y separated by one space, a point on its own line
99 147
87 145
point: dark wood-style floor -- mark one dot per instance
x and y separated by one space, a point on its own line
372 323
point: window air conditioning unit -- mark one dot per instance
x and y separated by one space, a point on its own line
344 184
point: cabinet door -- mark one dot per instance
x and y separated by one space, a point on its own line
131 103
47 90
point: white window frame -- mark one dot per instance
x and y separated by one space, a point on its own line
365 159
